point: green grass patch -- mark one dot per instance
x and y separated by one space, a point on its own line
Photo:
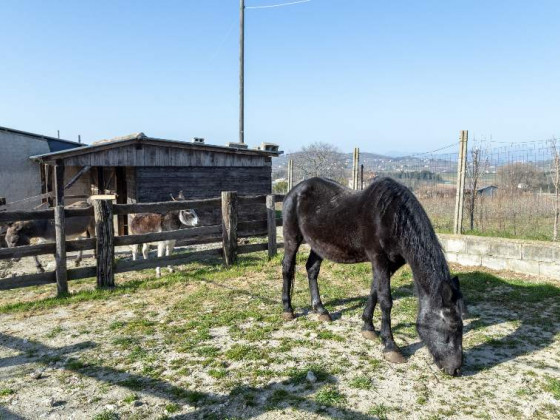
552 385
361 382
4 392
329 395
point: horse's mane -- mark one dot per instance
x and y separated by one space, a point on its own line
414 231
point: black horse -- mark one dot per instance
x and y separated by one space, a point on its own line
386 225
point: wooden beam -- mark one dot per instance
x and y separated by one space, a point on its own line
104 233
229 226
271 224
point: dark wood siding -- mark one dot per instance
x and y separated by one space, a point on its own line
151 155
156 184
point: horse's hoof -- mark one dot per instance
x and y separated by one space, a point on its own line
288 316
394 356
370 335
325 317
76 263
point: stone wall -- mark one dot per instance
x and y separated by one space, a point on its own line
528 257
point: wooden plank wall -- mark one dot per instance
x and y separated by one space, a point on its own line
150 155
155 184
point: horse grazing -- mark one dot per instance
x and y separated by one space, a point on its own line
155 222
387 226
21 233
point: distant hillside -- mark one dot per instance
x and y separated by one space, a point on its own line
381 163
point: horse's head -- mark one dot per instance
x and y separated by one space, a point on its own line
440 325
187 217
16 236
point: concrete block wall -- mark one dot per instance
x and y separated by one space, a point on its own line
528 257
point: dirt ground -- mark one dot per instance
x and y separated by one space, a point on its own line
209 342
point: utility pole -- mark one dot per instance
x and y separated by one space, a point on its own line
241 70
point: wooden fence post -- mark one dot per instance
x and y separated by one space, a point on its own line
271 223
229 226
461 173
60 235
290 175
60 251
104 232
356 169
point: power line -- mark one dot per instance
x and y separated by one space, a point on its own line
277 5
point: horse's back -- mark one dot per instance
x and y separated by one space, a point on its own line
327 216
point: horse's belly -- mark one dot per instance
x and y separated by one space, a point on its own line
337 253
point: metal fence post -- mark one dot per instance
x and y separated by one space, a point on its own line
104 232
271 223
461 173
229 226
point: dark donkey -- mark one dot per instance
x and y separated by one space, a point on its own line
386 225
21 233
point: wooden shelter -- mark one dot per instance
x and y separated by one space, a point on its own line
140 169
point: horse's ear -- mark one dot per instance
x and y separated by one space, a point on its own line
173 198
181 196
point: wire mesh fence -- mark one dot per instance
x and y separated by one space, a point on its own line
432 176
511 189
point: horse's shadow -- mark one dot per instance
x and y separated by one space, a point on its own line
244 401
533 308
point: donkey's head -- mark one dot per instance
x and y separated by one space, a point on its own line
187 217
440 325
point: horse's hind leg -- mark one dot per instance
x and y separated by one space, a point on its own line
368 331
169 245
38 265
291 246
313 266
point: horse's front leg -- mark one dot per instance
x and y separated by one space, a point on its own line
382 273
368 331
313 267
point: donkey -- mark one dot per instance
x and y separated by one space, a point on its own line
386 225
154 222
21 233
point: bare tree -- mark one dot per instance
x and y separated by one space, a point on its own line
320 159
474 169
519 176
556 182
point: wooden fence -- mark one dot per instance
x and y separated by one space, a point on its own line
241 217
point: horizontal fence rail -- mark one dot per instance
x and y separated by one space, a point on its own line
246 208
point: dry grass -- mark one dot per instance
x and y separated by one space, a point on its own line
208 342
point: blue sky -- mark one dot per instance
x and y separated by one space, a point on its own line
398 75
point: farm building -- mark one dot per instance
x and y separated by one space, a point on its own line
138 168
21 178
